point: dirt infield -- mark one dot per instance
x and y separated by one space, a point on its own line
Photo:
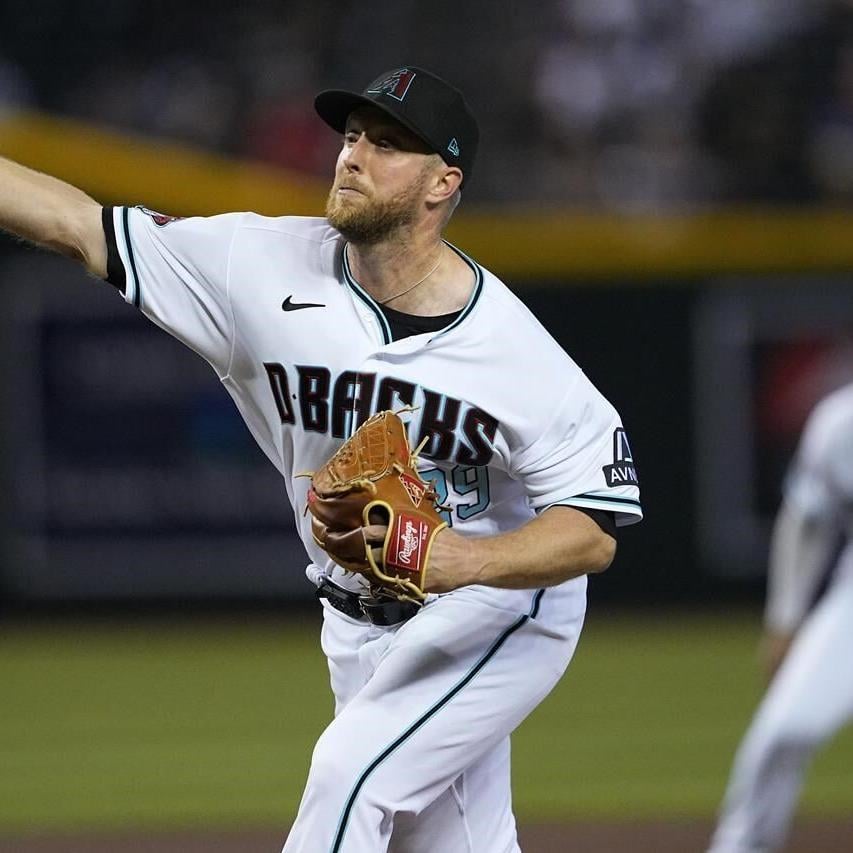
647 837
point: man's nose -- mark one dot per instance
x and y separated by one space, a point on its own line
354 154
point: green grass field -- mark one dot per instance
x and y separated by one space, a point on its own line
162 725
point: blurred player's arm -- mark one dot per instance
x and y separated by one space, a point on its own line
800 551
52 214
560 543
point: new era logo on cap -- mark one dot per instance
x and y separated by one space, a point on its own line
453 147
395 85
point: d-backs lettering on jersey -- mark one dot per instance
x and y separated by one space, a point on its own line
513 425
453 429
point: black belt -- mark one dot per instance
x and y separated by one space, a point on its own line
384 611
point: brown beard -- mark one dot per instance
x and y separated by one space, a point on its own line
373 221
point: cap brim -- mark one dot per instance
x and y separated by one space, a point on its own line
335 105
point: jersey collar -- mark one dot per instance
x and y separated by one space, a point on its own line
374 306
472 299
366 298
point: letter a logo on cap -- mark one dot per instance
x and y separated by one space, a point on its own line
395 85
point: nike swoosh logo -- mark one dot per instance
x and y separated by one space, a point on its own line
287 305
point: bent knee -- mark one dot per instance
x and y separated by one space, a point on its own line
343 767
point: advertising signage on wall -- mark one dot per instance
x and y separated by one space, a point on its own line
129 473
764 354
132 472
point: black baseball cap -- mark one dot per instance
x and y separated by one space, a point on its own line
430 107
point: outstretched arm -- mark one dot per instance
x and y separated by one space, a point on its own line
52 214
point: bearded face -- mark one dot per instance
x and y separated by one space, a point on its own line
364 219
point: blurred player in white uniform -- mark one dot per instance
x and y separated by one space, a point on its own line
807 649
314 324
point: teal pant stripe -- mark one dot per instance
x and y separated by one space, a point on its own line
490 653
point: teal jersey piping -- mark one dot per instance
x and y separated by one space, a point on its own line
125 220
598 499
383 320
367 299
487 656
475 293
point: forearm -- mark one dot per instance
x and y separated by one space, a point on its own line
799 554
557 545
51 213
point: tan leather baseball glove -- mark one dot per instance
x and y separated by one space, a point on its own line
373 480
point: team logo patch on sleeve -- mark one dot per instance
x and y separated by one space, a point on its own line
160 219
622 472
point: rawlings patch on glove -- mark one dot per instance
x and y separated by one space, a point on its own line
373 480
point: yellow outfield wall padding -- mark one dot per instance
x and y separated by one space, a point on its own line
115 167
118 167
559 244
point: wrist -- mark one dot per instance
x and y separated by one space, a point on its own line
453 562
473 560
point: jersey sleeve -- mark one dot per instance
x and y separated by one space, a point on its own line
176 272
810 524
581 458
819 481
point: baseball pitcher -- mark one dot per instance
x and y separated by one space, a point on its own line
454 475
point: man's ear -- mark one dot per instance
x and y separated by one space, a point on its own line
446 182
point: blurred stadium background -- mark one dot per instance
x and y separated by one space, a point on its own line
667 183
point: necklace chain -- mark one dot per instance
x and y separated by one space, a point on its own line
419 281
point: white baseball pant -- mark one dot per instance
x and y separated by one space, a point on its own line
417 757
809 700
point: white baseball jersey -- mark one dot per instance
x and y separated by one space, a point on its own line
514 426
417 756
818 487
820 481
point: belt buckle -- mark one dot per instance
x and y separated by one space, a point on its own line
341 599
382 612
389 611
